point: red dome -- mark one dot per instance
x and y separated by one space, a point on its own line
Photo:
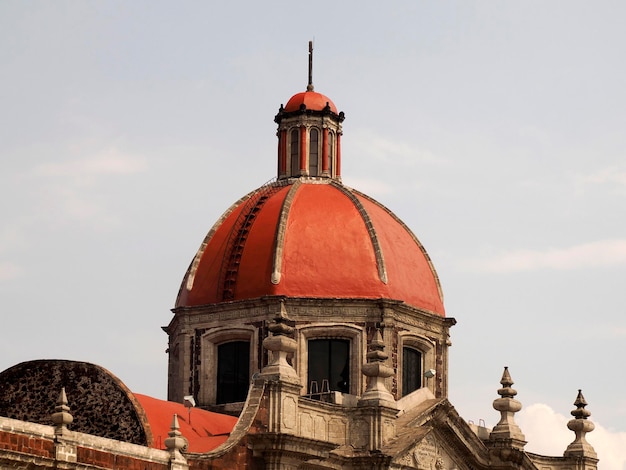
312 100
311 238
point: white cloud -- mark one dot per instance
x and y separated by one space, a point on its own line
601 253
72 189
614 174
399 152
9 271
108 162
547 433
369 186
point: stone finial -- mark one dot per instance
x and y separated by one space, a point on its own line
281 344
61 416
175 444
175 441
507 433
581 426
376 372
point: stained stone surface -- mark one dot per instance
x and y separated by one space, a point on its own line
99 402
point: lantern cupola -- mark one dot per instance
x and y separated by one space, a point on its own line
309 134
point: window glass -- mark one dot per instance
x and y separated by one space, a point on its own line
295 156
330 152
313 151
329 365
411 370
233 371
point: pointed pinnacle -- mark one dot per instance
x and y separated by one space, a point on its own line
580 400
62 400
506 380
506 391
580 412
174 427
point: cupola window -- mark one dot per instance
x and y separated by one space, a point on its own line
330 153
411 370
328 366
294 144
313 152
233 371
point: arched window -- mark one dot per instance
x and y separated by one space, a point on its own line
411 370
294 146
328 365
313 151
330 152
233 371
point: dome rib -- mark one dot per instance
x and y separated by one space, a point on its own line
314 237
378 252
281 230
410 232
190 275
237 238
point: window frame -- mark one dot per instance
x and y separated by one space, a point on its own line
317 153
331 153
240 385
294 154
210 341
420 378
345 331
427 349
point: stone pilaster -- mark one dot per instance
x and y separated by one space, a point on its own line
377 406
376 371
280 345
283 383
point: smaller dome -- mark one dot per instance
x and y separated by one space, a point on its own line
312 100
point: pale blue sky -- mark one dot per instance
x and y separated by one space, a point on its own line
495 130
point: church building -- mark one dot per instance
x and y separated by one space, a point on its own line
309 332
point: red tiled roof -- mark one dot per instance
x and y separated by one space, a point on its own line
206 431
312 100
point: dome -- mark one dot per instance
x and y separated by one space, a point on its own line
312 100
311 237
31 391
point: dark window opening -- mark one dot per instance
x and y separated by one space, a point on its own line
330 153
411 370
313 151
329 366
233 371
295 154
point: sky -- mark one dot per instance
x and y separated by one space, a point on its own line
495 130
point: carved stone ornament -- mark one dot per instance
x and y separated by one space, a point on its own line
428 454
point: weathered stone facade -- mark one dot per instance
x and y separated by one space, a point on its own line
194 332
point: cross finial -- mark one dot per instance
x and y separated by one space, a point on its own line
309 87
